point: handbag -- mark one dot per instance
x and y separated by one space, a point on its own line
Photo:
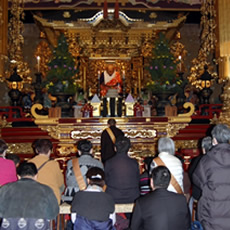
79 177
196 225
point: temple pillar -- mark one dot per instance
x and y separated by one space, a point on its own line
223 52
3 34
223 36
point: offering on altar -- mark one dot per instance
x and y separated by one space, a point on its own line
147 111
96 103
129 103
87 110
138 109
77 111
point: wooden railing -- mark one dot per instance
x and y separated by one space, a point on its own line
65 209
207 111
13 113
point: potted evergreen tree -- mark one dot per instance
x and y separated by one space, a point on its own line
61 76
164 80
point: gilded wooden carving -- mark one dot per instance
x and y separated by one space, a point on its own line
19 148
188 144
16 41
44 52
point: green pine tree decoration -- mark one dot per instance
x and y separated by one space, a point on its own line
62 70
162 67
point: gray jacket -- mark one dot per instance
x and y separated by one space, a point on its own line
85 161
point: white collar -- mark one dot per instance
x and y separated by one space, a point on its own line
164 154
108 77
94 188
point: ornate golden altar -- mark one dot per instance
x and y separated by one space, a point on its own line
142 131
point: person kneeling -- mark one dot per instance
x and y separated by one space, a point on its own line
27 204
161 209
92 208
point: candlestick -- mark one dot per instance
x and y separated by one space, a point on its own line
99 76
123 83
38 60
180 63
123 74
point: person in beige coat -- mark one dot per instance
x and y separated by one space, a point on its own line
49 172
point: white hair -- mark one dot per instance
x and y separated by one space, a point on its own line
166 144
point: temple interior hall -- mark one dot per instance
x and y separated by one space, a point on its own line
144 70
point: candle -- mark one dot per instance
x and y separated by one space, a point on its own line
123 74
99 74
179 63
38 60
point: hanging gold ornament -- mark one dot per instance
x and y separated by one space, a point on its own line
16 42
208 41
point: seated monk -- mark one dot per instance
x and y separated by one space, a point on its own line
110 79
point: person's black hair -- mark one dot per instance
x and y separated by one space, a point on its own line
27 169
206 143
122 144
222 133
3 146
84 146
14 157
161 177
42 146
147 161
112 122
96 176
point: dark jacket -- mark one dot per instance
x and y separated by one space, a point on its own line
107 146
196 191
212 175
93 208
93 205
27 198
161 210
122 178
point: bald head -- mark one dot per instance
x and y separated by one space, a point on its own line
110 69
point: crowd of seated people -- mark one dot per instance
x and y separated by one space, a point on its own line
32 191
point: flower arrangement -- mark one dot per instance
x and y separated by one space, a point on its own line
61 70
162 68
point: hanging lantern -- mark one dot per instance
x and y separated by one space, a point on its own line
15 81
15 84
206 92
206 78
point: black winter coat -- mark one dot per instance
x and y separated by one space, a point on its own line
212 175
161 210
122 178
